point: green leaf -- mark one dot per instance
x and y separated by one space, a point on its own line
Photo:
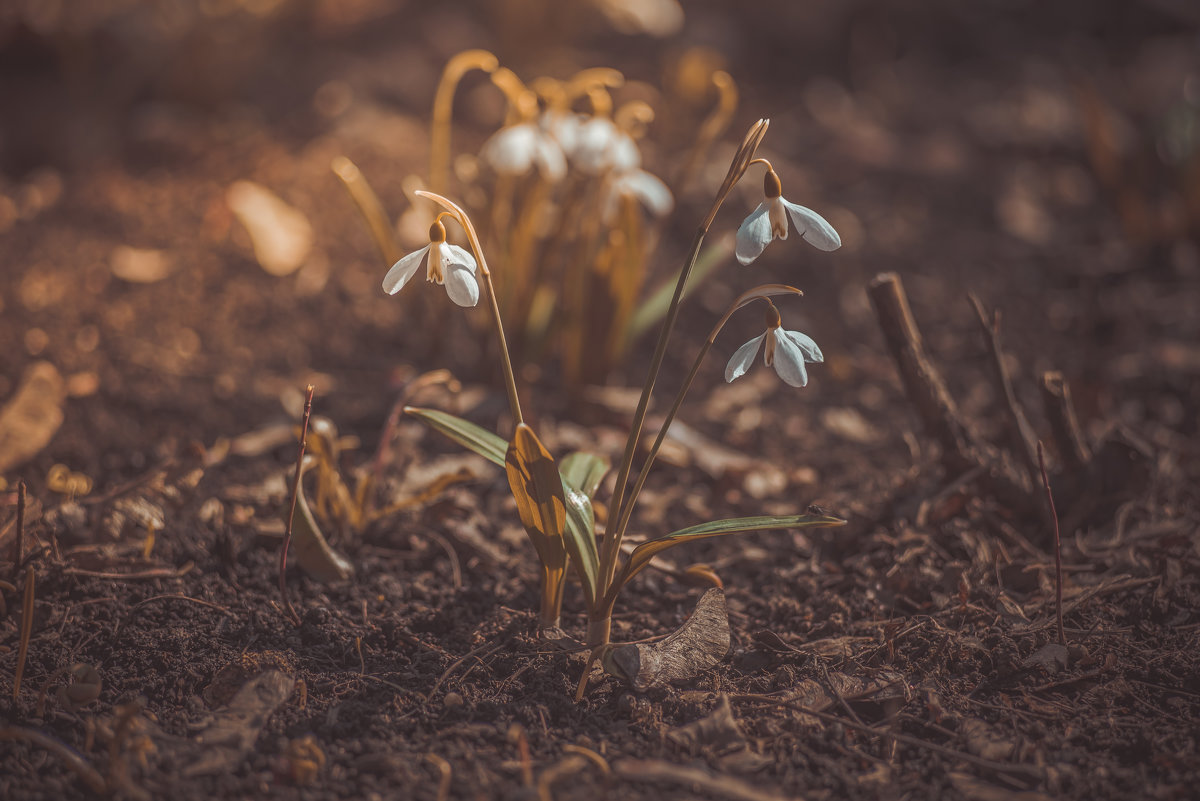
645 552
580 540
464 432
584 471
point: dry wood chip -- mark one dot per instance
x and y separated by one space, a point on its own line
281 235
696 646
230 732
32 415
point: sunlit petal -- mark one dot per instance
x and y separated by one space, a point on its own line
753 235
459 257
778 217
809 348
651 190
743 357
403 270
814 228
624 153
789 360
550 159
461 285
510 151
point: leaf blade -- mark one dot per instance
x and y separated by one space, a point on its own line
644 553
471 436
537 487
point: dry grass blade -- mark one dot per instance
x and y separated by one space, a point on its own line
287 535
26 632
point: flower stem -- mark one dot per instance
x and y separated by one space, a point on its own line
510 381
758 293
612 535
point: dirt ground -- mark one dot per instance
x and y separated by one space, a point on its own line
1046 161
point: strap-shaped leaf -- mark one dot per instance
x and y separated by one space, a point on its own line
580 540
584 471
464 432
537 487
642 554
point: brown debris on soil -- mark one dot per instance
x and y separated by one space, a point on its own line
179 262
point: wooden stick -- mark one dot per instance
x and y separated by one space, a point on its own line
287 534
1062 635
961 450
1021 432
922 382
1056 398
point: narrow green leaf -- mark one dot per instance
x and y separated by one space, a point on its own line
580 540
464 432
645 552
584 471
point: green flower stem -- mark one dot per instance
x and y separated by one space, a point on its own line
612 535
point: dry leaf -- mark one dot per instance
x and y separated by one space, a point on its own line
281 234
32 415
139 265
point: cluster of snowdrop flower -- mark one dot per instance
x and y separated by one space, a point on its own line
786 351
569 214
543 488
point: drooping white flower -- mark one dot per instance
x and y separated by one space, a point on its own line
446 264
770 221
648 189
517 149
786 351
600 146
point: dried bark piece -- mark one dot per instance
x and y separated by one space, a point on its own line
32 415
696 646
229 733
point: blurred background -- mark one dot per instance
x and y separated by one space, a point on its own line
1046 156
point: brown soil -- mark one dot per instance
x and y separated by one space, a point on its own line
959 148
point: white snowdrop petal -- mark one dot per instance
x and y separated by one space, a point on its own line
624 153
550 158
807 346
778 216
459 257
461 285
753 235
814 228
403 270
789 360
743 357
649 189
510 151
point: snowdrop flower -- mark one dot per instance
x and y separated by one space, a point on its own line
516 149
600 145
446 264
770 221
786 351
648 189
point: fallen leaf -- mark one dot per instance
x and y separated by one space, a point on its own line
139 265
230 732
281 235
32 415
696 646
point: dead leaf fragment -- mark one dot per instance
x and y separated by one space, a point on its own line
139 265
281 234
32 415
696 646
229 733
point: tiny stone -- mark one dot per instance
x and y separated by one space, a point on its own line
453 701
